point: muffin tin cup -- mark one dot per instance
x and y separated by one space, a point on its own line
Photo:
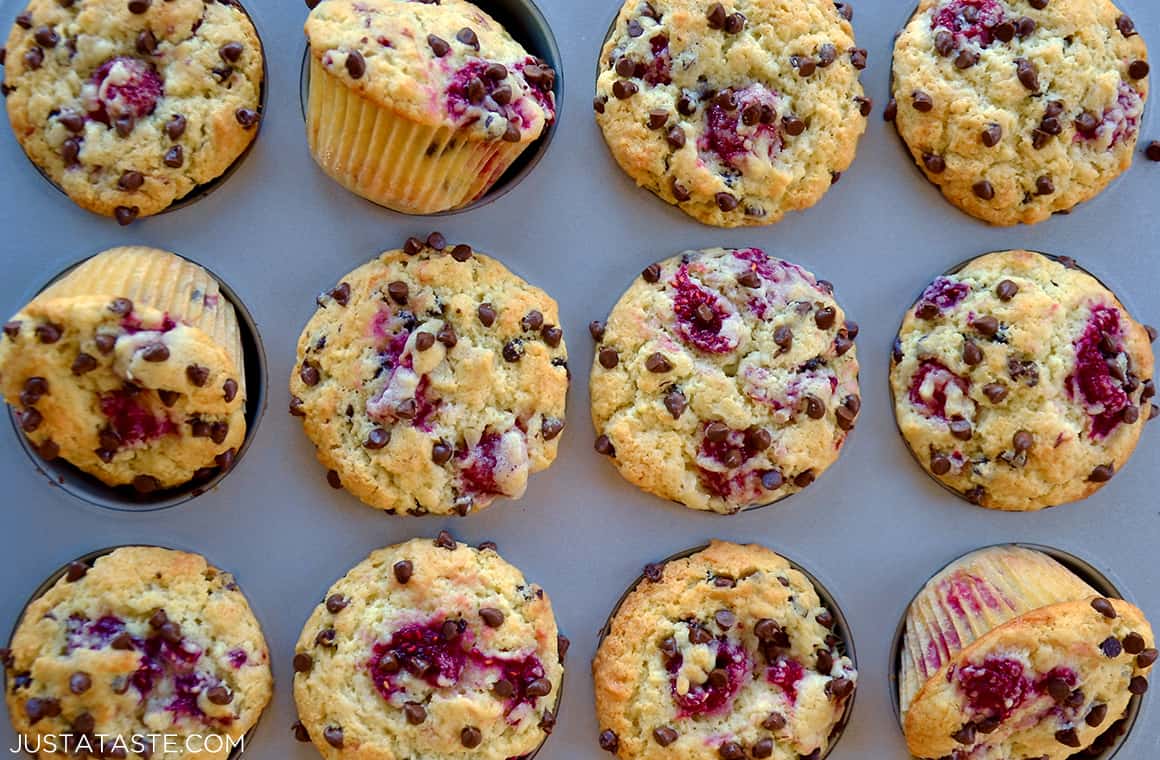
88 488
1118 732
88 559
1066 261
526 23
841 629
204 189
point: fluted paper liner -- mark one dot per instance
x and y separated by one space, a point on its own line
973 596
161 280
394 161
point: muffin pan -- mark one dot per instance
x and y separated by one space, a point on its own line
873 528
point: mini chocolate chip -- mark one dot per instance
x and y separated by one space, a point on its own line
1138 685
1087 122
552 335
1024 26
775 722
940 464
486 314
604 446
991 135
303 663
922 102
891 111
333 736
824 317
551 427
513 350
219 695
84 363
1104 607
675 403
440 453
966 58
424 340
125 215
792 125
598 103
972 354
30 420
76 571
730 751
624 89
1126 26
1068 737
439 46
246 117
24 20
491 617
840 688
131 181
858 58
804 479
174 157
986 325
471 737
983 190
734 23
468 37
333 479
1028 74
377 439
609 741
33 58
680 192
865 105
46 36
726 202
596 330
404 569
461 252
665 735
960 429
716 16
336 603
138 6
934 164
608 357
175 127
658 363
445 541
155 352
1102 473
1147 658
1138 69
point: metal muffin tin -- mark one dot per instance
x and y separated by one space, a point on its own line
88 559
1111 740
872 528
841 629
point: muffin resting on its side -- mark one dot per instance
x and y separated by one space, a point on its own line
724 379
420 107
1018 110
429 649
145 642
432 379
1007 653
128 105
727 653
129 367
735 111
1021 382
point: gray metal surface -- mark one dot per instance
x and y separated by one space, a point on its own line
872 529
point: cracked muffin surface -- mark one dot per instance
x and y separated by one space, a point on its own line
129 105
433 649
145 641
1021 382
432 380
726 653
736 112
1018 109
1010 655
724 379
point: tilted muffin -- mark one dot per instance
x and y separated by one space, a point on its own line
1021 382
737 112
432 379
1018 109
727 653
420 107
145 642
724 379
1008 654
128 105
429 649
129 367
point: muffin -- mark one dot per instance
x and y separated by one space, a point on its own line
736 112
1020 109
1021 382
144 643
432 380
420 107
726 653
724 379
1007 654
130 368
128 106
429 649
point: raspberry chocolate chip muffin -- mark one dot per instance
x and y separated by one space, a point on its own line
420 106
432 380
724 379
737 112
1021 382
429 649
130 368
1008 654
145 642
129 105
727 653
1018 109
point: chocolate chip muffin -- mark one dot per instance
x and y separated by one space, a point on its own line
727 653
429 649
1021 382
420 106
1008 654
1018 109
724 379
737 112
129 105
129 367
145 642
432 380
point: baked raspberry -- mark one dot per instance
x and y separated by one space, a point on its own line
658 71
969 20
939 392
421 651
995 688
82 633
132 420
123 87
944 293
714 695
786 673
744 128
237 658
1098 349
701 315
478 473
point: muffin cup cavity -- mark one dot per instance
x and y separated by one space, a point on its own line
87 488
841 626
1110 742
467 177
